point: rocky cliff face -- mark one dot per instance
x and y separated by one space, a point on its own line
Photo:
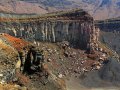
75 26
109 25
56 60
110 34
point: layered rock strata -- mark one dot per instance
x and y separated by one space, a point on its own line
75 26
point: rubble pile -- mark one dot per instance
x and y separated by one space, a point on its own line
38 66
21 63
65 60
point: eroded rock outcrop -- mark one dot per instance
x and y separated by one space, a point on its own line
17 55
68 28
75 26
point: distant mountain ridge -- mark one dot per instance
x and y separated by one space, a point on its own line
15 6
99 9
